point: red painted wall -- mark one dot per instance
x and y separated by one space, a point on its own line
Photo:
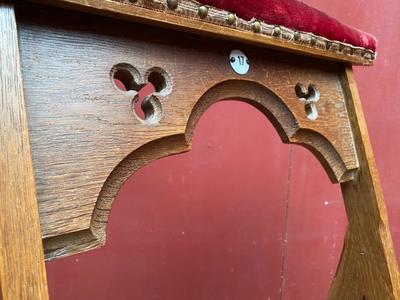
242 216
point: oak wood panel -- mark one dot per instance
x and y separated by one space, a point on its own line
22 272
83 129
185 18
368 267
215 219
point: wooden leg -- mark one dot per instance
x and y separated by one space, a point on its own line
368 267
22 271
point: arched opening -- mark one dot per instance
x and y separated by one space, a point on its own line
223 221
260 97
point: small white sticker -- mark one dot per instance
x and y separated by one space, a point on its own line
239 62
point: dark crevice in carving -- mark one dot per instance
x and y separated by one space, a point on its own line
145 91
126 78
310 97
247 91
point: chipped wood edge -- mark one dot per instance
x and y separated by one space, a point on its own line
22 270
186 18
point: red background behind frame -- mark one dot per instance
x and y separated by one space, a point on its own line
243 216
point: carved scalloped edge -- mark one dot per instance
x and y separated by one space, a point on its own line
189 9
273 107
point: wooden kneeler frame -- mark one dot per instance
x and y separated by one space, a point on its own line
59 101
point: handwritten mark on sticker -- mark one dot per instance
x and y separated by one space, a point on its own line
239 62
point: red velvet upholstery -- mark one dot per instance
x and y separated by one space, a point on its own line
296 15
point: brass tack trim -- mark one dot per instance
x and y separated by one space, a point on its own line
202 11
273 30
313 40
172 4
328 45
231 18
277 31
256 26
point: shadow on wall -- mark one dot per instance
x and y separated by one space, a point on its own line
241 216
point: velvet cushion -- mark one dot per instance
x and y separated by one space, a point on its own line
296 15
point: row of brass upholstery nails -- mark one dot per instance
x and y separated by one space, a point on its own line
257 27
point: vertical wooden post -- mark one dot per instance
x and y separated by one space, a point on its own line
22 271
368 267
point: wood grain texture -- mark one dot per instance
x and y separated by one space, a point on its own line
22 272
185 18
368 266
86 140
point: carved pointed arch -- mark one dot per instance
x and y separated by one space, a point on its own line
250 92
264 99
